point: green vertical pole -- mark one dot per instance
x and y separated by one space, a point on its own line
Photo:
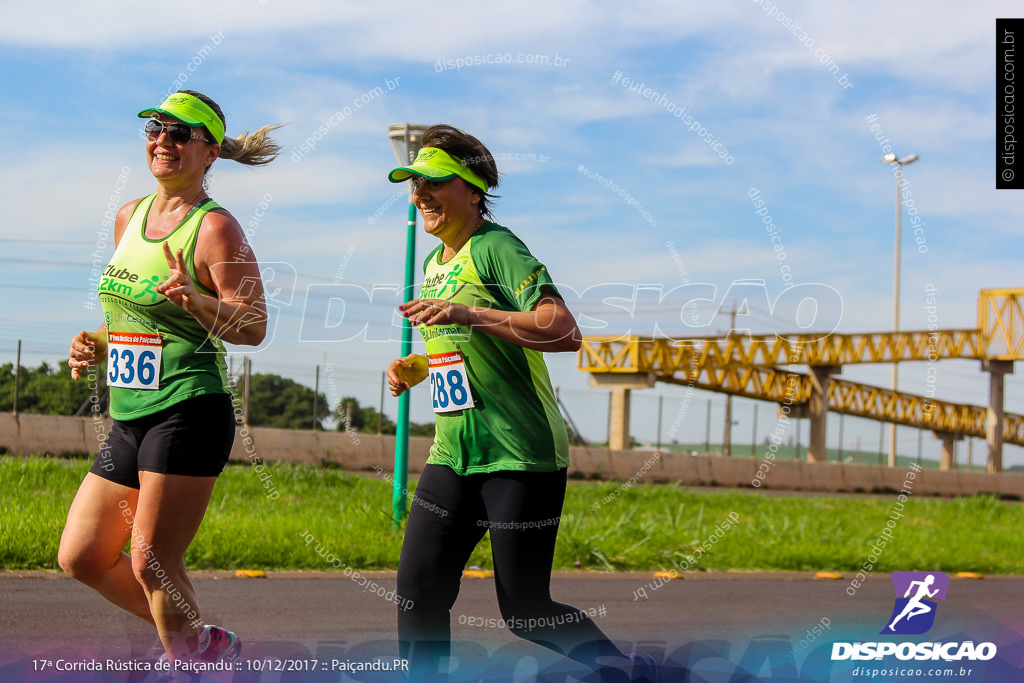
17 377
398 497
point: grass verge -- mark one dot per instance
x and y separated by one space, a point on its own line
605 526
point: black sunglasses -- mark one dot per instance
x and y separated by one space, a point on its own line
179 133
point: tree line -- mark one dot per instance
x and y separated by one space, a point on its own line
274 401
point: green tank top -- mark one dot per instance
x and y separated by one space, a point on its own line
157 353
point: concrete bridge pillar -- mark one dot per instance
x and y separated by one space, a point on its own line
620 385
818 411
997 370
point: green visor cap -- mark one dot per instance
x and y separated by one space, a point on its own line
191 111
436 164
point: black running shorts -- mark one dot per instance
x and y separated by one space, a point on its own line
192 438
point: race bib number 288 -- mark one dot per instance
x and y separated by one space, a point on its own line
449 383
133 360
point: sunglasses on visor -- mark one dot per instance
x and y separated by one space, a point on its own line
179 133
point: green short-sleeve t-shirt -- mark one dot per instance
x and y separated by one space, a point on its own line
514 423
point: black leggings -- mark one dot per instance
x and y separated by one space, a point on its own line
448 517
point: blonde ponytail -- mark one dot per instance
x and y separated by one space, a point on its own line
252 150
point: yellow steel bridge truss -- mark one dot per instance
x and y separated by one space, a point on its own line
759 366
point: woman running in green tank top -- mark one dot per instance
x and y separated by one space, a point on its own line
181 280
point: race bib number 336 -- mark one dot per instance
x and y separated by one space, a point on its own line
449 383
133 360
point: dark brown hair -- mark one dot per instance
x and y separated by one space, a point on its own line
470 152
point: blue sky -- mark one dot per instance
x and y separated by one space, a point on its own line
785 89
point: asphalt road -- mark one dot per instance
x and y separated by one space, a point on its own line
295 626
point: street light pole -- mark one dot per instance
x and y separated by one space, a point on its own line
405 140
900 163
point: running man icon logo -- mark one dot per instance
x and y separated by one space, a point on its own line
914 611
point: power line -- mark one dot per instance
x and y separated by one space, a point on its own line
50 242
82 264
33 286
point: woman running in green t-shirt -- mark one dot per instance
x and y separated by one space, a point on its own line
487 310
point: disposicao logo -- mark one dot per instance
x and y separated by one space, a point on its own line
913 614
916 592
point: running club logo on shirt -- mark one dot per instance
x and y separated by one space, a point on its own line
433 281
915 607
123 282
